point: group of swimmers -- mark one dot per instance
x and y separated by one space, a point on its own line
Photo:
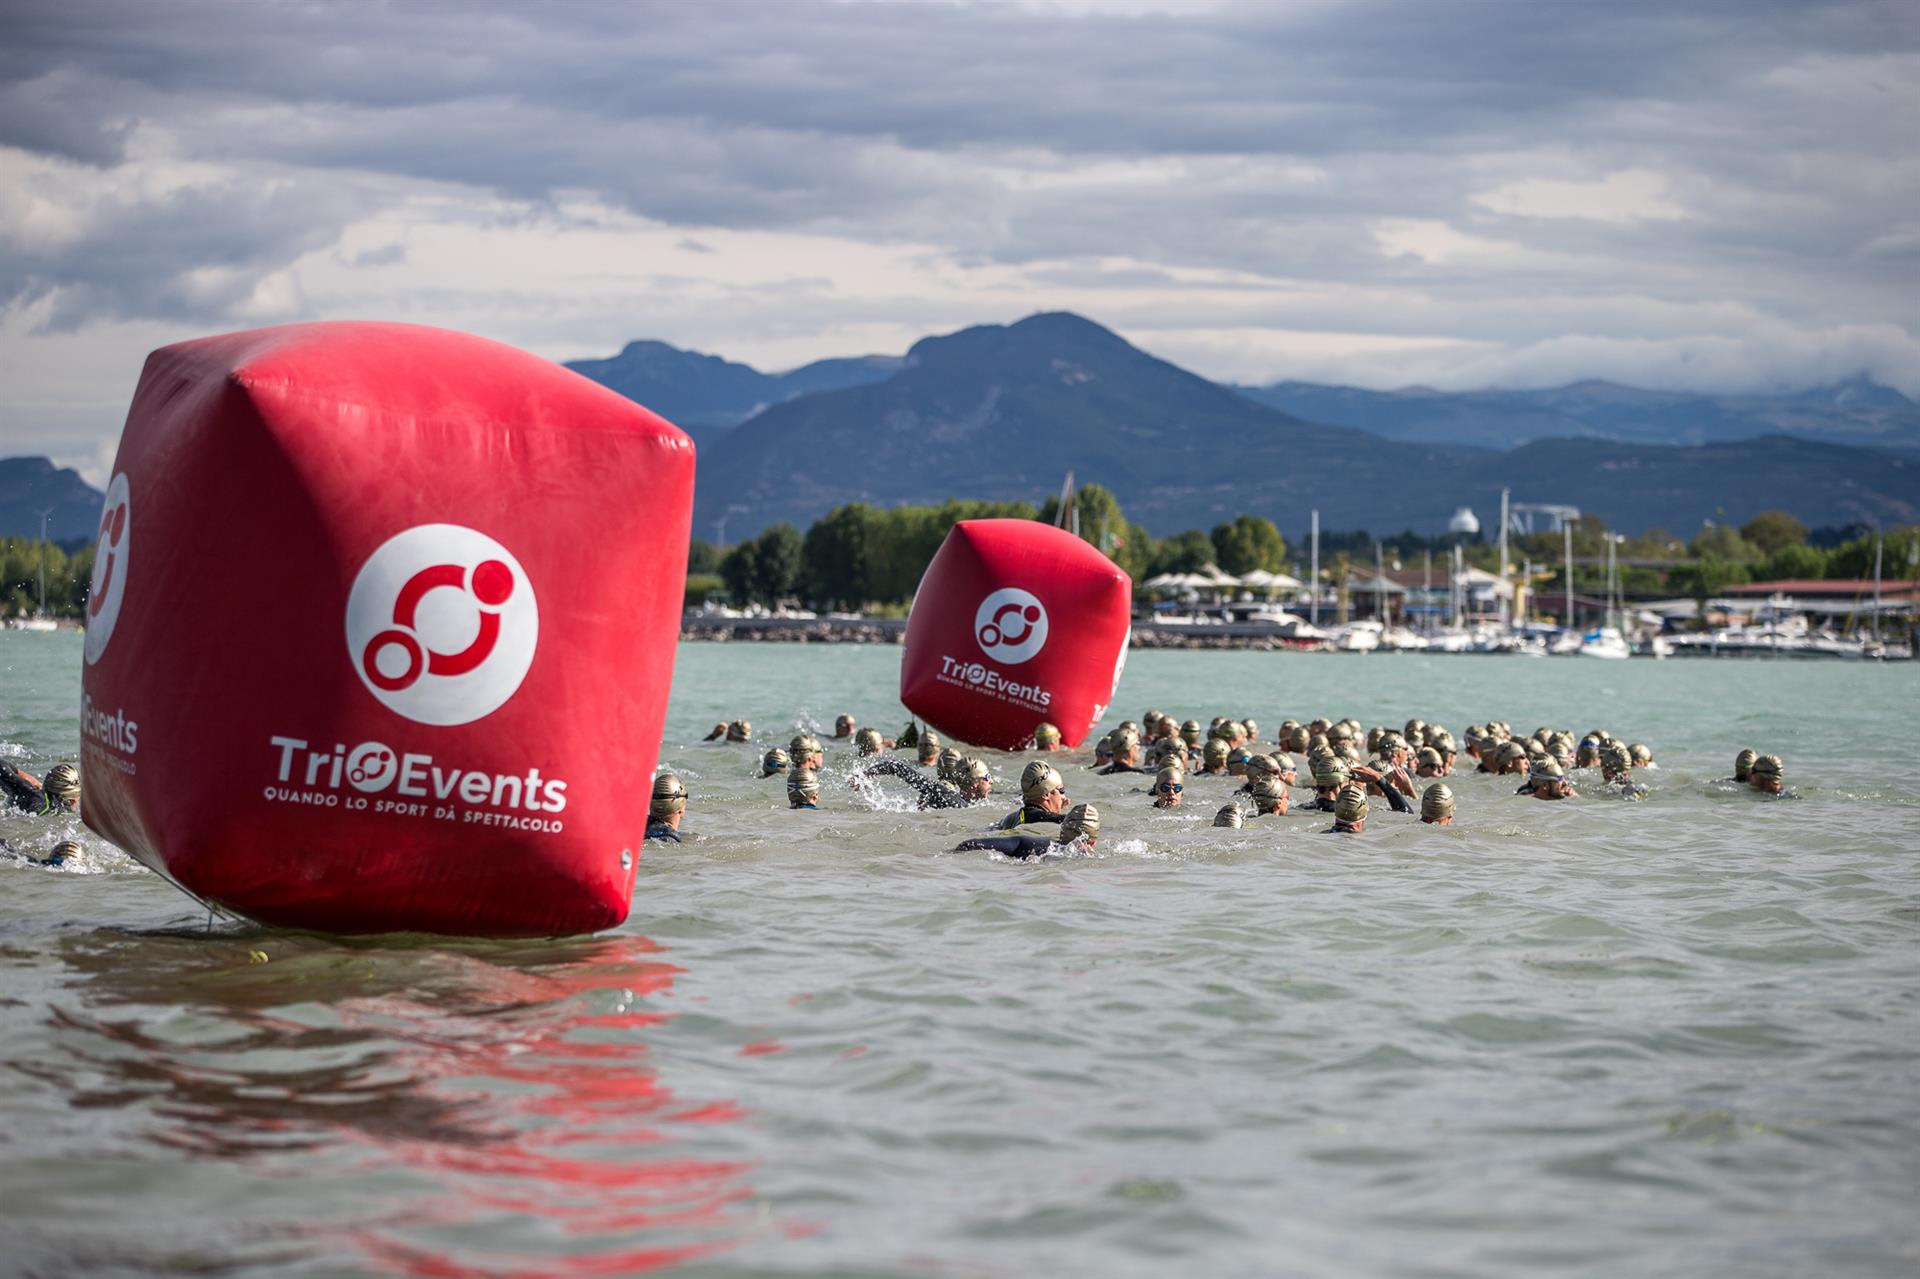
1348 767
58 794
1343 779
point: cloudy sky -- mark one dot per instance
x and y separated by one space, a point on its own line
1699 195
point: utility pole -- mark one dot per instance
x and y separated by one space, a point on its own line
1379 582
1878 544
1426 592
1566 534
43 561
1313 603
1500 595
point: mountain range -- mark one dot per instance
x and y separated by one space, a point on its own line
1857 411
32 485
1004 411
701 392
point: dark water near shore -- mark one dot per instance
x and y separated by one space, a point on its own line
1675 1037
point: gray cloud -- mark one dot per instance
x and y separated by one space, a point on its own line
1283 132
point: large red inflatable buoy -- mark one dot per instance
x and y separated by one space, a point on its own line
395 649
1016 623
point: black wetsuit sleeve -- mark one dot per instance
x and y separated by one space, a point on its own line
20 792
933 793
1111 769
1399 801
1021 846
660 830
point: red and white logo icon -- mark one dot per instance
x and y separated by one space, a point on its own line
442 624
1010 625
109 584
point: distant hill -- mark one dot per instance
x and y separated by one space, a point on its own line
1004 411
1856 412
1635 487
705 394
30 485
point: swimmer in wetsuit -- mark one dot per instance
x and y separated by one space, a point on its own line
666 808
1046 738
1616 773
1329 775
1126 756
1230 816
1767 776
59 855
1169 787
1350 811
1079 831
60 793
1436 805
1043 798
1270 797
1547 780
976 785
775 761
1743 767
803 788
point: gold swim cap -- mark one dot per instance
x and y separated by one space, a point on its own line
669 796
739 731
867 741
1046 733
1081 822
1350 805
1770 766
803 786
63 782
775 761
1437 801
1038 780
1230 815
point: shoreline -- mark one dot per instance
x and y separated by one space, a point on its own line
1243 636
893 630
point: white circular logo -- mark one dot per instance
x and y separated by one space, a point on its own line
110 559
1010 625
442 624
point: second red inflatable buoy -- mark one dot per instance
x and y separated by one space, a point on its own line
1016 623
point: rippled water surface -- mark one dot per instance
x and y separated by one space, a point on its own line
1675 1037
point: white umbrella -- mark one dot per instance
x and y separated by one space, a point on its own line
1217 577
1166 581
1259 577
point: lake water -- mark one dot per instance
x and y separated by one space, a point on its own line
1680 1037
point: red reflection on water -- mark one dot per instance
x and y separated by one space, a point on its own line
565 1101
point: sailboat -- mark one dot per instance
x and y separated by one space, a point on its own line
1607 641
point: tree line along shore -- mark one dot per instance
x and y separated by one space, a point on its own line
859 558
